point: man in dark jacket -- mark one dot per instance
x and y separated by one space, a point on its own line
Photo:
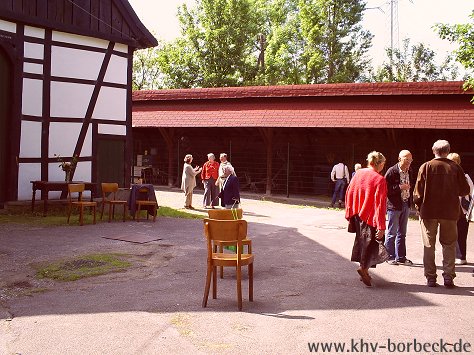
399 181
439 184
230 193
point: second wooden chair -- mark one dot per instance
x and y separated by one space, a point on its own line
109 194
79 189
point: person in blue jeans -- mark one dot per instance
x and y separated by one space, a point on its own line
340 177
399 200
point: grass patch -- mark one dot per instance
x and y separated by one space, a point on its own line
57 215
171 212
83 266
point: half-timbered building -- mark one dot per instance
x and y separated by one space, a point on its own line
65 90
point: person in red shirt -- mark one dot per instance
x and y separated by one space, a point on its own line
366 206
209 176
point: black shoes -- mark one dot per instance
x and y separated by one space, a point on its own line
431 283
448 283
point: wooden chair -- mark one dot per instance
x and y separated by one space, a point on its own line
226 231
226 214
143 200
79 188
109 192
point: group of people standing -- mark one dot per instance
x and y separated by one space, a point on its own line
437 194
219 180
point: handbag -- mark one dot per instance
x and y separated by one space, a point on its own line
351 227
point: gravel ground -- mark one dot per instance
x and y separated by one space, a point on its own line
306 290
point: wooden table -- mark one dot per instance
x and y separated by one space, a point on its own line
46 186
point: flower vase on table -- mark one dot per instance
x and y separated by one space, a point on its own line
67 166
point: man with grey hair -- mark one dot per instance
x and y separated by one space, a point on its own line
399 199
439 184
230 193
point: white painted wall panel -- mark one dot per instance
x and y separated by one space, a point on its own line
34 32
63 138
70 99
28 172
117 70
75 63
33 68
119 130
7 26
32 97
111 104
77 39
30 142
34 50
119 47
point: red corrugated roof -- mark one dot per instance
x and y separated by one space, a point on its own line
347 89
440 105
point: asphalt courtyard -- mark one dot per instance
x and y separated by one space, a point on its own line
306 291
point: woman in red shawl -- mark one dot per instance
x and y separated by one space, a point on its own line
366 205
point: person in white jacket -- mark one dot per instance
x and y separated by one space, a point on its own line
463 222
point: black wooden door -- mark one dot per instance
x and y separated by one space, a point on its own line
110 160
5 95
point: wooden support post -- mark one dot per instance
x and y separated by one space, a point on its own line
168 135
267 134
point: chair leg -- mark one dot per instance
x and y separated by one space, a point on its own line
124 211
137 213
69 214
214 282
221 250
239 287
250 282
102 211
155 212
93 208
81 216
207 287
110 210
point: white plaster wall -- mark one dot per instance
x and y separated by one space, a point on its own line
34 50
120 130
30 142
111 104
28 172
119 47
33 68
34 32
116 70
70 99
75 63
32 97
77 39
63 138
7 26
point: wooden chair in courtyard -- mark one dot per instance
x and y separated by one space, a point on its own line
109 192
227 214
79 189
143 199
226 231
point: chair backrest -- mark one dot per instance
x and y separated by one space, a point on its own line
107 188
143 194
73 188
225 230
225 214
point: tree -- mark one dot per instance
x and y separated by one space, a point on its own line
217 40
335 45
463 35
146 72
414 63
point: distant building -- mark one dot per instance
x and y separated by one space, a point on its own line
65 84
284 139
